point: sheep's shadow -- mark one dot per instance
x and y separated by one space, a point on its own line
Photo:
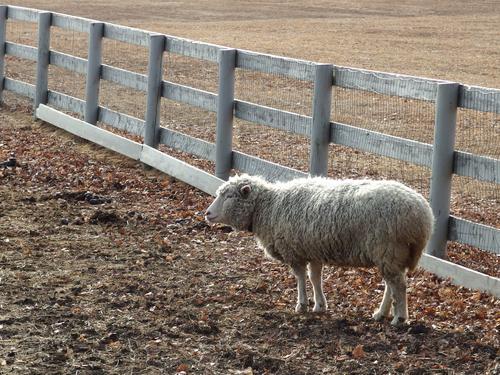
340 335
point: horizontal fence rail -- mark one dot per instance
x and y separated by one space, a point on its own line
479 98
478 167
381 144
463 164
474 234
460 275
19 87
274 118
137 151
386 83
22 51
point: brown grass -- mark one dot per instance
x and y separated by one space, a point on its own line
452 40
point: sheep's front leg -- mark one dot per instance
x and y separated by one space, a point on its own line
316 277
299 270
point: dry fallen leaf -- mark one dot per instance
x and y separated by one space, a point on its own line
358 352
182 368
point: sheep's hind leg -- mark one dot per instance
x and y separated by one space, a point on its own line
385 306
299 270
398 288
315 275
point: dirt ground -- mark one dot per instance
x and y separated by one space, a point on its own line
108 268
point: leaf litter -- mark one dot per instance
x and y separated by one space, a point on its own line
140 284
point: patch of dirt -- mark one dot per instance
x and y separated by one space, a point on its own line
141 284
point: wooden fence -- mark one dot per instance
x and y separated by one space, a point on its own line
441 156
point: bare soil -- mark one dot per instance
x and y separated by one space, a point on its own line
108 268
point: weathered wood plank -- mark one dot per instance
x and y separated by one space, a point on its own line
188 95
479 98
381 144
274 118
66 102
474 234
69 62
64 21
126 34
180 170
186 143
22 51
271 171
478 167
19 87
459 275
124 77
386 83
121 121
191 48
91 133
22 14
261 62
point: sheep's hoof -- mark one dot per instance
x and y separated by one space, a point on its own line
301 308
379 315
398 321
319 308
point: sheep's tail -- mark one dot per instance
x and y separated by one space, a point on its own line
416 251
417 246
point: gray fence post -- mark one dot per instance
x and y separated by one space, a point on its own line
42 67
96 30
442 165
320 131
3 24
155 71
225 106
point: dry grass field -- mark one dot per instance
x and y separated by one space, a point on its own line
453 40
141 285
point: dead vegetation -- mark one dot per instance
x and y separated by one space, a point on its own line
109 268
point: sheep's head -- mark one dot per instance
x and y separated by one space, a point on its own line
235 202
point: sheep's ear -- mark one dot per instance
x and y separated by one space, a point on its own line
245 190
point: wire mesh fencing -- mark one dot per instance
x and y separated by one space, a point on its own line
17 68
478 132
70 42
278 91
392 115
61 79
189 120
130 101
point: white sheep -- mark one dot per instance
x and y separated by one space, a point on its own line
317 221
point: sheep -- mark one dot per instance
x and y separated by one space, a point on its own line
309 222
